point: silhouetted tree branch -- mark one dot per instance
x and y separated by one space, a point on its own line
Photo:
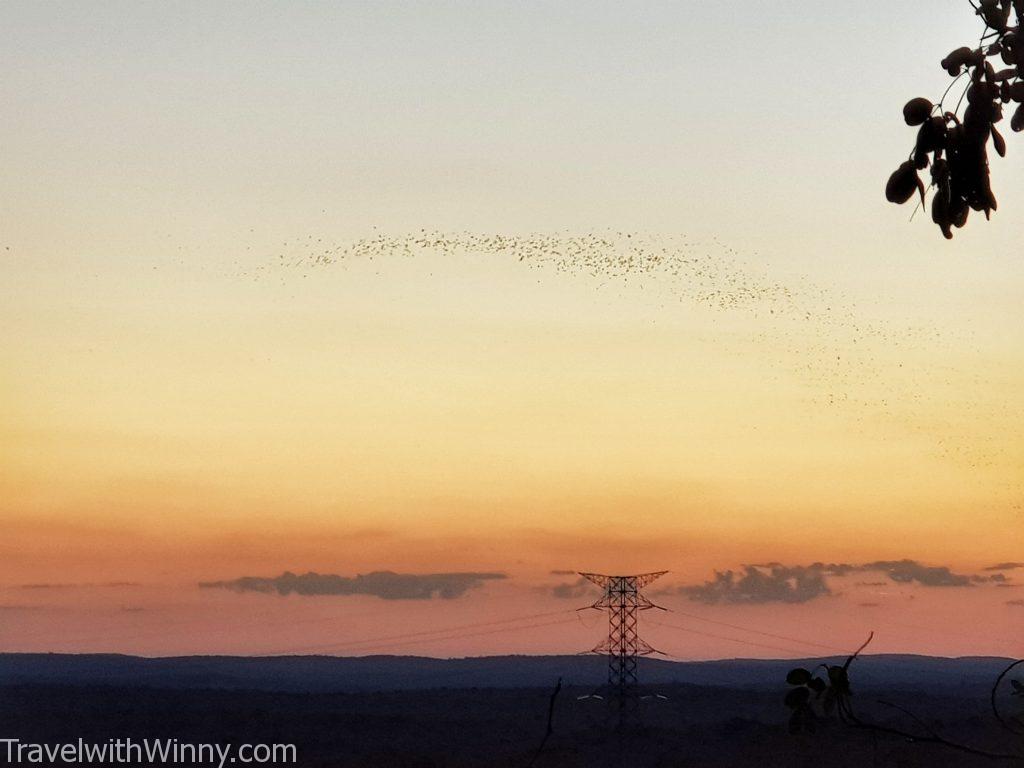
955 146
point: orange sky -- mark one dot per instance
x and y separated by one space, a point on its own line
189 394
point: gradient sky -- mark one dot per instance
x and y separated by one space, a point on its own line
187 398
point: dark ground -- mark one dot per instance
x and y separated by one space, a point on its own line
695 726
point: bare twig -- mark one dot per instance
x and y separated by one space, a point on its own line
850 718
909 714
548 731
871 636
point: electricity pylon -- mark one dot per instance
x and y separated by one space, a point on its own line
623 601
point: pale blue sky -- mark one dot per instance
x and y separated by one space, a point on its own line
772 122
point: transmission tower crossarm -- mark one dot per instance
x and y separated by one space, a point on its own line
598 578
623 601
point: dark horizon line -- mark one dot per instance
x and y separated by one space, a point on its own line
250 657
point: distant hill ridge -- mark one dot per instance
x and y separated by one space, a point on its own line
325 674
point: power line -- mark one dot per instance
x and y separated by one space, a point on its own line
325 646
456 636
404 635
162 629
943 632
742 628
723 637
462 635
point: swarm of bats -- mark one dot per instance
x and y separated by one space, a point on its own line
953 148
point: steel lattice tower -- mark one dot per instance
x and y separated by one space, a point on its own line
623 601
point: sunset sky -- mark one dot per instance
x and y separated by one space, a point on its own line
219 361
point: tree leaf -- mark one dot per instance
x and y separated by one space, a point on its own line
798 676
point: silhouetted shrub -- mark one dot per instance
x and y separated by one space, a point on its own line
811 697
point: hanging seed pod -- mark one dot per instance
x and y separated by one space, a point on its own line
958 211
940 173
998 142
979 93
940 213
916 111
978 122
902 184
955 137
991 204
1017 121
